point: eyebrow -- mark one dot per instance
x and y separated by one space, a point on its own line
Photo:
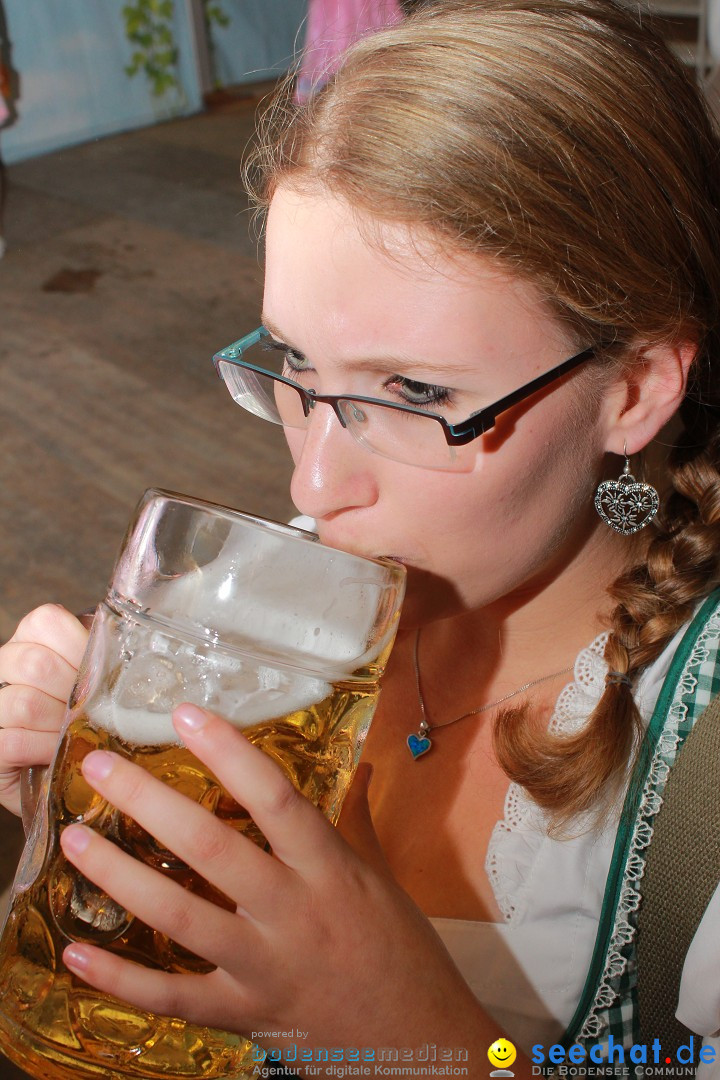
400 365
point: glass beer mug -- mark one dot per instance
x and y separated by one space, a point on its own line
259 623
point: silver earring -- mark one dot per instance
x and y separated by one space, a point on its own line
626 504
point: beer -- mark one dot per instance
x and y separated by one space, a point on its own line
50 1023
256 622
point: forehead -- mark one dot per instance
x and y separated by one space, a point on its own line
331 269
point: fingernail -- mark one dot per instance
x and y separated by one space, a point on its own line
76 958
75 839
98 764
190 718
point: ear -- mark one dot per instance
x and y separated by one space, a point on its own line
642 399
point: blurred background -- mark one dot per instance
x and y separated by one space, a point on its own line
129 260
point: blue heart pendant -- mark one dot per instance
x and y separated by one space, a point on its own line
418 745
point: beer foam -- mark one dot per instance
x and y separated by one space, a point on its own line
251 635
142 727
309 613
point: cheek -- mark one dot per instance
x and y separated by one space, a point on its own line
548 462
495 528
295 440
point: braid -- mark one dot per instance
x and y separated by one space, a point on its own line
582 772
683 558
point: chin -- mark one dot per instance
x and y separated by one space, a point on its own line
354 547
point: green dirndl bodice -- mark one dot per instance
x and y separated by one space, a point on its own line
608 1003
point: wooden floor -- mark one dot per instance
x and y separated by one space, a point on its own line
129 262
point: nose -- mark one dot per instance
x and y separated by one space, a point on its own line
332 473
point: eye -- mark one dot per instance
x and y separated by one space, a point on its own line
418 394
293 362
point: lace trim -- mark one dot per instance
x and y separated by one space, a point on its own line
516 839
624 929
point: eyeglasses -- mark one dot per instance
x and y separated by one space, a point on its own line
405 433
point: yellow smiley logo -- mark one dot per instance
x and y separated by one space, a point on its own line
502 1053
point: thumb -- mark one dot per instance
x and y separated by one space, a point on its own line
356 824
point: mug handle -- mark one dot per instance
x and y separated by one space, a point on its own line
32 777
30 783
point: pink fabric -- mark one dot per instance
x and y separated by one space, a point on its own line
332 26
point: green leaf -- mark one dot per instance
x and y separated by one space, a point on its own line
215 14
148 25
163 82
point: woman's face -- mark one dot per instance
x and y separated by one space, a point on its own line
355 312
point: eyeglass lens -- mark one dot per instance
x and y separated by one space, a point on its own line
410 437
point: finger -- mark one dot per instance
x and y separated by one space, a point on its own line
55 627
37 666
224 857
296 830
10 792
20 748
26 707
196 998
195 923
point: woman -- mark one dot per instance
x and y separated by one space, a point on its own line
481 194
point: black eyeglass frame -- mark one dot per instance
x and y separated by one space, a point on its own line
455 434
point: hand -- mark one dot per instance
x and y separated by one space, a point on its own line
322 940
40 665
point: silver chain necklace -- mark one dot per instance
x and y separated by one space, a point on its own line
420 742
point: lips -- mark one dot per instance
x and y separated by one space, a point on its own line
353 549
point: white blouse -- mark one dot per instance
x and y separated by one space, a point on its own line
529 970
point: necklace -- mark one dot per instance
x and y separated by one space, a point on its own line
420 743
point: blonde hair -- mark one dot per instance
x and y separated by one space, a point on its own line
563 139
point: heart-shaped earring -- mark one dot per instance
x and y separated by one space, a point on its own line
626 504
